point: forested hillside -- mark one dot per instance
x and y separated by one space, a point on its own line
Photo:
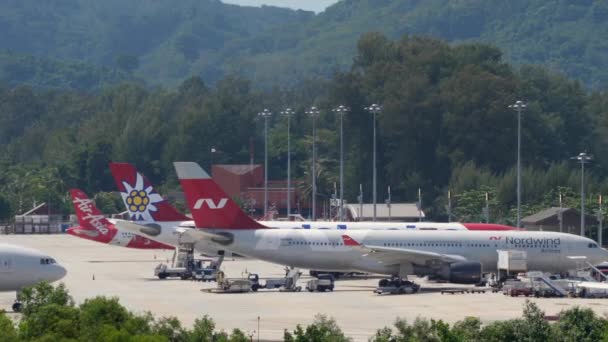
567 36
445 125
164 42
45 73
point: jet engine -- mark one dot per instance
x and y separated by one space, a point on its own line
462 273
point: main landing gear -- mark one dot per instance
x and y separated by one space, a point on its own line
17 306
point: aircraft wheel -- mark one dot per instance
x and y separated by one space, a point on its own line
17 307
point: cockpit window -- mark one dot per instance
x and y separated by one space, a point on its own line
592 245
47 261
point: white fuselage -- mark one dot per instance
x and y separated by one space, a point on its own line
324 249
21 267
171 232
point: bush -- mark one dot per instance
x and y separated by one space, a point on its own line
7 329
42 294
579 325
322 329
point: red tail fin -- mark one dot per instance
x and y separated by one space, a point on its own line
140 198
210 206
92 222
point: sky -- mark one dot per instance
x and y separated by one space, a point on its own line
310 5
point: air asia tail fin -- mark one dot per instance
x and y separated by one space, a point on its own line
89 217
140 198
209 204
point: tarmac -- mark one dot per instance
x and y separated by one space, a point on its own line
96 269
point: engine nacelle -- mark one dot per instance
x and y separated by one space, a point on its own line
462 273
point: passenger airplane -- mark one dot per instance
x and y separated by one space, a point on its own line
21 267
96 227
455 256
165 224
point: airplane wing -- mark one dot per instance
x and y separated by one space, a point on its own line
200 234
395 256
151 231
139 229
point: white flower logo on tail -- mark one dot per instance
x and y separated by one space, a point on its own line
140 202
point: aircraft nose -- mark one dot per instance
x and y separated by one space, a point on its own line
58 272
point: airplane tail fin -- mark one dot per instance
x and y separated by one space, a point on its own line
140 198
89 217
209 204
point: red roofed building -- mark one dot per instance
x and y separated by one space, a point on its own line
245 183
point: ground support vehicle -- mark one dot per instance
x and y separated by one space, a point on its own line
516 289
184 266
163 271
205 274
396 286
286 284
323 282
226 285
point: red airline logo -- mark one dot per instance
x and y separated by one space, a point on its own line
85 205
495 238
348 241
210 203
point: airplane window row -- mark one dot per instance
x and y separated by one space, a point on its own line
47 261
309 243
419 244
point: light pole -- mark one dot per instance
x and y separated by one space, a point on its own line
583 158
374 109
341 110
449 206
600 219
314 113
560 215
288 113
388 204
265 114
486 210
360 199
519 106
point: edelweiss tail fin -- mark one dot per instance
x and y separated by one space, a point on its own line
140 198
209 204
89 217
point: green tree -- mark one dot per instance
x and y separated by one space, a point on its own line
170 328
127 63
102 313
35 297
7 329
579 324
51 320
5 208
321 329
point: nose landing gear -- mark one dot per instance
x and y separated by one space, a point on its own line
17 306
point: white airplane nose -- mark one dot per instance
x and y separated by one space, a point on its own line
58 272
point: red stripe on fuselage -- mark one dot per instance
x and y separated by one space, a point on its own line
488 226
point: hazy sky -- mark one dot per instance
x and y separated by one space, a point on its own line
311 5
